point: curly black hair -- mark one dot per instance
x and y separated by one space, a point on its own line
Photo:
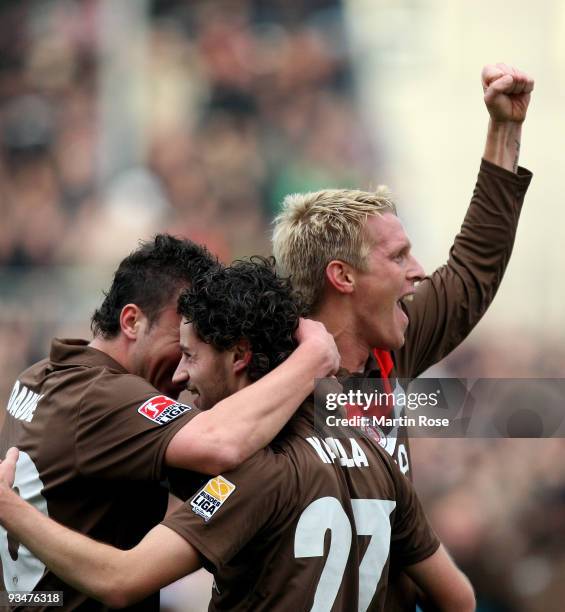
246 300
150 277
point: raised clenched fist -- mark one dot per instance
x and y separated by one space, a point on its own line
507 92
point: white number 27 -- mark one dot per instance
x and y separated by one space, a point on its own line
372 517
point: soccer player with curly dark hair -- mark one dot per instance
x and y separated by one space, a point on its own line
261 528
218 308
244 309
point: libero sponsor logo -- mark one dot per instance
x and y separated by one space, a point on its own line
212 495
162 409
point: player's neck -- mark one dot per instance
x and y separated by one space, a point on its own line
354 354
114 348
240 382
350 344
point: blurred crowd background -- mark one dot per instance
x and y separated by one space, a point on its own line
122 119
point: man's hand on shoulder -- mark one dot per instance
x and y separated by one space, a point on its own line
8 468
9 499
314 336
506 92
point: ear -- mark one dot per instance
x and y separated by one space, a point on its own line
242 354
131 319
341 276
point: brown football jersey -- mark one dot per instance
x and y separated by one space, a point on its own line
307 523
92 441
448 304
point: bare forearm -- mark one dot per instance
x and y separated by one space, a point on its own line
445 587
258 412
82 563
115 577
238 426
503 144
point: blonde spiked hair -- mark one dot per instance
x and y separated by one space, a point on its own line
315 228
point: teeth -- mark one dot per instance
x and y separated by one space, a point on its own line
408 298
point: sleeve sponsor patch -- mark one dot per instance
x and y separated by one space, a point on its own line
162 409
212 495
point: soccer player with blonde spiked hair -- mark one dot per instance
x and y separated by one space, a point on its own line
348 254
317 223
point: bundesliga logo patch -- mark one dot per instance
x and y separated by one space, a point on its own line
214 493
162 409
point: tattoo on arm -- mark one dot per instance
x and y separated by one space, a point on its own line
517 156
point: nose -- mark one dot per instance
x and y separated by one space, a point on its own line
180 376
415 270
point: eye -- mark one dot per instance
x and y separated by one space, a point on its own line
400 256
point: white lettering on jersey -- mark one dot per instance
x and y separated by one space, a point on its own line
402 461
332 450
317 446
23 402
389 441
339 452
359 457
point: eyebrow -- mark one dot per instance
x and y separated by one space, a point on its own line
401 246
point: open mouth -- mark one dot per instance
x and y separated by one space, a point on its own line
401 305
